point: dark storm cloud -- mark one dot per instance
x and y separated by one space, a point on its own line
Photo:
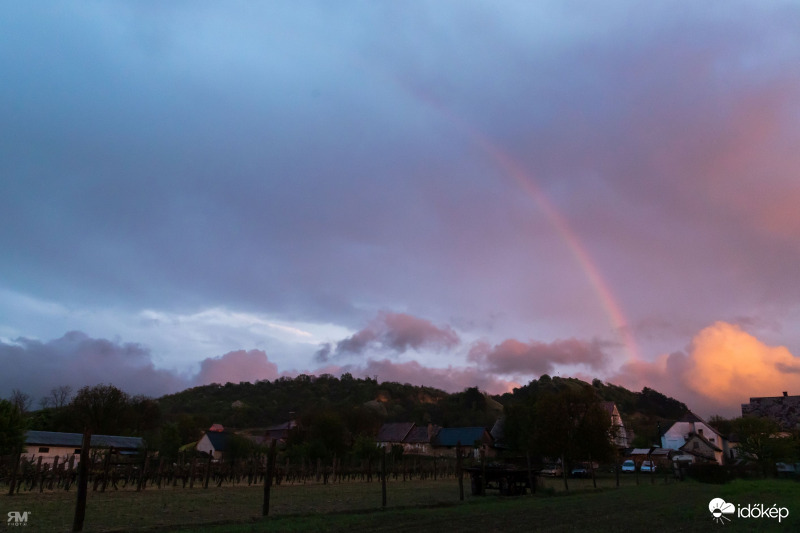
78 360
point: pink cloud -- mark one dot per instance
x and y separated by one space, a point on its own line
450 379
398 332
513 356
236 367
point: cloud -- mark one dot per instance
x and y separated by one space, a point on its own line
78 360
723 367
515 357
726 363
450 379
398 332
235 367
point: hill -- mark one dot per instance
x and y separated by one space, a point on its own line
367 402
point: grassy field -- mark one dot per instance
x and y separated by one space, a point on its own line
416 505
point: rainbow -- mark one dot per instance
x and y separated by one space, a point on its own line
511 168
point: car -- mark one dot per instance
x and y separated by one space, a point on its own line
629 466
551 470
647 466
579 470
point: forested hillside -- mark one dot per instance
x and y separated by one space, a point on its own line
345 406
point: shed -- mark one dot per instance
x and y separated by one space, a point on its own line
51 444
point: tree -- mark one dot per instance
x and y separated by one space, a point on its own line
21 400
12 428
761 441
102 409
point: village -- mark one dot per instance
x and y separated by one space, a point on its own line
688 442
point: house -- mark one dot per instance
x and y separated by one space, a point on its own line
51 444
414 439
393 434
279 432
618 433
475 438
704 441
785 410
419 440
214 442
702 449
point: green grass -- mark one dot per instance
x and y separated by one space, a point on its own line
415 505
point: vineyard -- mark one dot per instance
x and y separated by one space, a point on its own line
126 493
110 472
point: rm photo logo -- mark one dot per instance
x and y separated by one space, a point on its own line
18 519
723 512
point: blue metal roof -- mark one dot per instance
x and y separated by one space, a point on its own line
466 436
75 440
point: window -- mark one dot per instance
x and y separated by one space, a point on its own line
77 451
44 450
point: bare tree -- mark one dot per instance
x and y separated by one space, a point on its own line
21 400
60 396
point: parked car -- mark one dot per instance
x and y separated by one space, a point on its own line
787 469
647 466
579 470
629 466
551 470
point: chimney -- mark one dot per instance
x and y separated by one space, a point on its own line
785 394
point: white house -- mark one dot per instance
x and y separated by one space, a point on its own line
693 436
619 435
214 442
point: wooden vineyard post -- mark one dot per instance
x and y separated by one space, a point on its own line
12 485
38 472
208 470
53 479
142 476
383 478
268 477
83 481
106 465
483 472
459 472
191 472
531 478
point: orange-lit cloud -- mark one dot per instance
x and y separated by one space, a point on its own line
726 363
723 368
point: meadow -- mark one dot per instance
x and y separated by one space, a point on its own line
418 505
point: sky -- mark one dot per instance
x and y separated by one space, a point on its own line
449 193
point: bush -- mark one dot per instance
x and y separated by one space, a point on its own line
709 473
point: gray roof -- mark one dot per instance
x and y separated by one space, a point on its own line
394 432
421 435
75 440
